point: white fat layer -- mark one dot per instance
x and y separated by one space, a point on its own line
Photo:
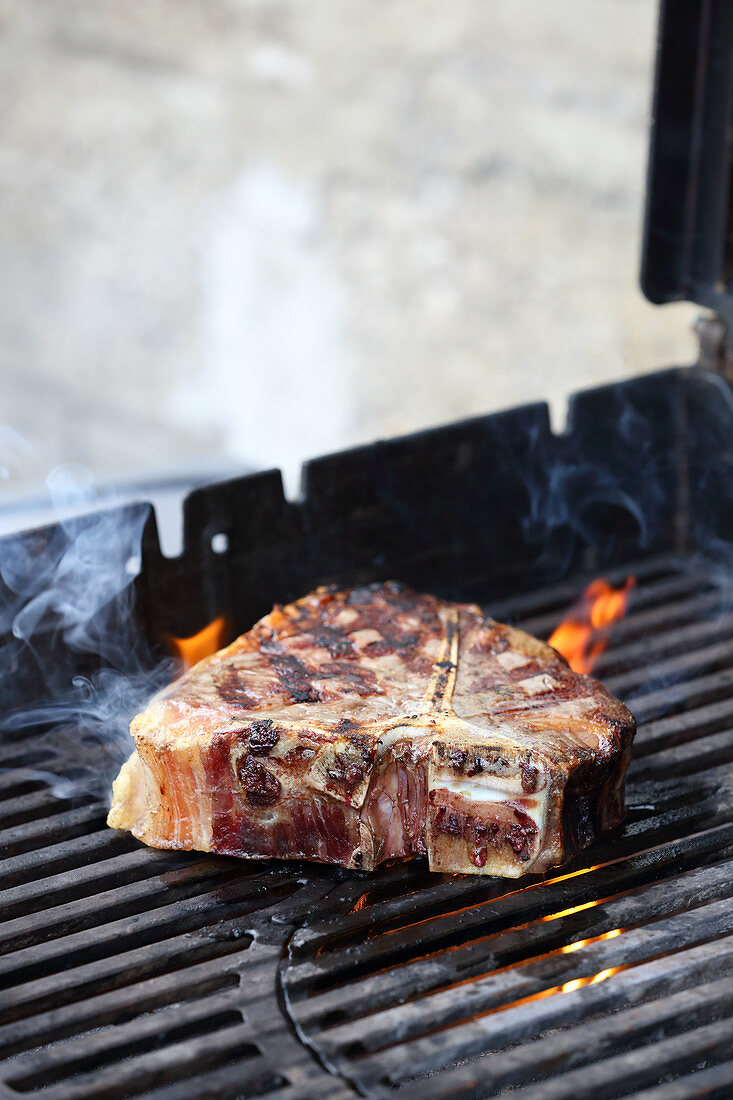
509 659
414 733
498 791
534 805
537 684
203 819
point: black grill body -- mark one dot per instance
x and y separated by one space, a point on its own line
129 972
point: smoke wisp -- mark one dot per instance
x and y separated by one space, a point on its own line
77 665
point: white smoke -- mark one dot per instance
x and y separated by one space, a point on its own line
77 663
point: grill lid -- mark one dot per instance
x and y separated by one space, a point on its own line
688 231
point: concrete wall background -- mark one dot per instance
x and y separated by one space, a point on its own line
240 232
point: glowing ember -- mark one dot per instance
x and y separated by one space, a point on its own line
576 946
577 983
567 987
360 903
569 912
207 641
583 636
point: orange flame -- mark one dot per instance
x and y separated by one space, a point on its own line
591 979
576 945
207 641
583 635
576 983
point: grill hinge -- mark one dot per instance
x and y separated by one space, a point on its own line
716 352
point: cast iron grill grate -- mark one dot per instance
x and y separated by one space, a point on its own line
610 976
129 972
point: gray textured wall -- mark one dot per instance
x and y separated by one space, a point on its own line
244 232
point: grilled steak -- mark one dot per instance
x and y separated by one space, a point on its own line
361 725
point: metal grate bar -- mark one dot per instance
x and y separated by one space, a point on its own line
65 856
715 1083
534 978
557 597
685 760
478 923
663 643
662 733
62 1060
119 1005
677 614
125 968
668 1014
72 823
140 910
31 807
223 1084
164 882
522 946
14 782
116 874
613 1077
135 1073
683 696
704 660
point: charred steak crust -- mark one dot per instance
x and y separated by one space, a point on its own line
362 725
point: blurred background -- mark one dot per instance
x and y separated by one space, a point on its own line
238 233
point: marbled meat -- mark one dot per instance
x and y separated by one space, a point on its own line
374 723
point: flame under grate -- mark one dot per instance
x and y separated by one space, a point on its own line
130 972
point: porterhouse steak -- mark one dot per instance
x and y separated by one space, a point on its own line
361 725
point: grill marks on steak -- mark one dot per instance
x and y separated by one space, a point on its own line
232 690
374 723
294 676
